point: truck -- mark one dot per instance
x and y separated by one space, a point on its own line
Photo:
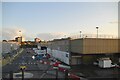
105 63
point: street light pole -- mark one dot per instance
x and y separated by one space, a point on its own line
56 74
97 31
22 74
80 34
20 34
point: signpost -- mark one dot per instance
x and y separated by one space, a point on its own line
22 69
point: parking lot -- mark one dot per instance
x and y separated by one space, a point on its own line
94 72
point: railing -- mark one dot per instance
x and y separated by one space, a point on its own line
93 36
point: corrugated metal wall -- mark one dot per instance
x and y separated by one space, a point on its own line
95 46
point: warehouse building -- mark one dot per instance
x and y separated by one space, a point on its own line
85 50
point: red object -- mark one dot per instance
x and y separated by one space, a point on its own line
61 69
48 56
56 64
42 62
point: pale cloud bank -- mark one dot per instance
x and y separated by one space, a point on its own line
11 33
114 22
51 36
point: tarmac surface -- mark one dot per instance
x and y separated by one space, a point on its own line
34 67
93 72
41 71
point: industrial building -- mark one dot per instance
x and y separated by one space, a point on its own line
84 50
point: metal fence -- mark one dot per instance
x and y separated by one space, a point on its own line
76 36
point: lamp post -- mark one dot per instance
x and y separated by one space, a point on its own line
80 34
64 36
20 33
97 31
11 48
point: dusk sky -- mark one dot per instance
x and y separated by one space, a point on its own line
49 20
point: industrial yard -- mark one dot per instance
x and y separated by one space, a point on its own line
60 40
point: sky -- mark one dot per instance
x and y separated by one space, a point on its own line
50 20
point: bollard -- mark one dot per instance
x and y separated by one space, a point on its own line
66 74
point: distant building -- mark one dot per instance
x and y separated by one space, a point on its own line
18 39
8 47
11 41
37 40
4 41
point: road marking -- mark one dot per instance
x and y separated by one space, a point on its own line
42 75
24 63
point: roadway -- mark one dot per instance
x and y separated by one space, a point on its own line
34 67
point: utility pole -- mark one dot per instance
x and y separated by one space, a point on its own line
97 31
80 34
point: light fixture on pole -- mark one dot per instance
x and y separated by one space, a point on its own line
97 31
20 36
20 33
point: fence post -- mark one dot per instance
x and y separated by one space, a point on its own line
11 75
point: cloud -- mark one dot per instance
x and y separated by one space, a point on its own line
11 33
50 36
114 22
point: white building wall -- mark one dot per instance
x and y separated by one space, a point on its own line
60 55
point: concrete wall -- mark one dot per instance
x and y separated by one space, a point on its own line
75 60
76 46
61 45
95 46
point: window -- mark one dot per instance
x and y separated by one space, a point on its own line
67 55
